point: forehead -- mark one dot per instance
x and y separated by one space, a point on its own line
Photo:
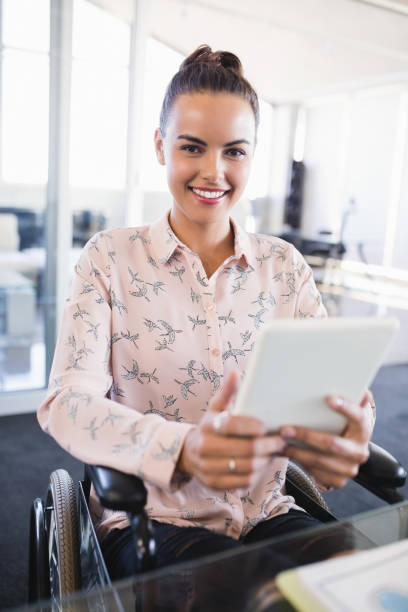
212 116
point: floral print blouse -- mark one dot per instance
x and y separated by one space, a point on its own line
145 341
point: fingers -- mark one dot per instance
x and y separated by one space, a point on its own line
242 465
326 444
318 439
232 462
333 460
226 462
230 472
221 421
314 461
226 450
368 398
222 399
226 424
353 412
231 446
330 479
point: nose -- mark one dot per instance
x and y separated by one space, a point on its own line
213 167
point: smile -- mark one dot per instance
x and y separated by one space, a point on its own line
210 195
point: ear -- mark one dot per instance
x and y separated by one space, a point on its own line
158 145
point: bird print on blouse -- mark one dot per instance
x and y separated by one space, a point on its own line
146 341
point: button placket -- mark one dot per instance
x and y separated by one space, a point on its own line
209 307
214 340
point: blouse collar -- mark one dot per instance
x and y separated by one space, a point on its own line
165 242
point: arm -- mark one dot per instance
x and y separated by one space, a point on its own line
77 411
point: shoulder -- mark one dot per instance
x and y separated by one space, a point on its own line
121 235
272 248
261 241
107 247
117 241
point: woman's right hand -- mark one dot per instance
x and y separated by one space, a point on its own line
226 451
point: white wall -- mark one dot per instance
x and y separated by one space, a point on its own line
400 252
326 129
155 204
371 158
353 149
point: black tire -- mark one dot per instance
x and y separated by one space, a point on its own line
39 574
63 541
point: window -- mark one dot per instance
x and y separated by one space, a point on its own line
23 175
24 102
98 140
99 97
161 64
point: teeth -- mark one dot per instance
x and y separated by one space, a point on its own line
208 194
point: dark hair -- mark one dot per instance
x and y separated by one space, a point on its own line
205 70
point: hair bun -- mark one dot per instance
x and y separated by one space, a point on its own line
204 54
205 70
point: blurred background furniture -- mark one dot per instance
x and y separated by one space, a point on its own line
17 305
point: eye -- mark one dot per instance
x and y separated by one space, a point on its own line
190 148
235 152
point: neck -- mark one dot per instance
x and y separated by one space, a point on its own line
213 242
203 238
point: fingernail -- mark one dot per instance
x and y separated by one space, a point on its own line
338 402
288 432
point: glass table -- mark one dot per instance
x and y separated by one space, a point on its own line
241 580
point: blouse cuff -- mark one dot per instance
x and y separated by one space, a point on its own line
161 456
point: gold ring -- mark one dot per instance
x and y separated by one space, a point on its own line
232 465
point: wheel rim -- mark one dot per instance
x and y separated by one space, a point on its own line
55 584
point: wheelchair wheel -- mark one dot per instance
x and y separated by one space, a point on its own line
63 542
39 574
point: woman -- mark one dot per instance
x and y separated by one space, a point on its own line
159 327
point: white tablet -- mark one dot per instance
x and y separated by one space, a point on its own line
296 363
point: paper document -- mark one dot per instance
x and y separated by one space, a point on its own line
373 580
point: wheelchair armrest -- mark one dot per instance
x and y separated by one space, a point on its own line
381 470
117 490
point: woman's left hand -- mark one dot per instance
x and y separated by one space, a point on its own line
333 459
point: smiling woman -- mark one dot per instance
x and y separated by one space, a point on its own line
206 139
208 150
160 314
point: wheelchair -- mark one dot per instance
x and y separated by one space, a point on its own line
64 553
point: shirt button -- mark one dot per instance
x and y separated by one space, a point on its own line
210 307
216 352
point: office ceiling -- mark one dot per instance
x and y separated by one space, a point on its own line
291 49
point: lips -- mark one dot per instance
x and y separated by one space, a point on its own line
209 196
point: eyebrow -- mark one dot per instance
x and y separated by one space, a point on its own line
203 143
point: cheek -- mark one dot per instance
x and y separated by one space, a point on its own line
180 170
240 175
